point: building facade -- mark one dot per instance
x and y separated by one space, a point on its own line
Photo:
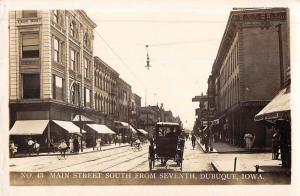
123 100
51 64
105 90
248 71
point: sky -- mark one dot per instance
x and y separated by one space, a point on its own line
183 41
183 38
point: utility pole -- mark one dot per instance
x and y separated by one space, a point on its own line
280 54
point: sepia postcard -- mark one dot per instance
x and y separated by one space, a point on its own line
148 93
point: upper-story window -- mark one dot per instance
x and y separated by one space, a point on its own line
85 40
87 97
56 50
73 29
73 61
58 92
86 64
29 13
56 16
31 86
30 45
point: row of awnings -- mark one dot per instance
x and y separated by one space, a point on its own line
37 127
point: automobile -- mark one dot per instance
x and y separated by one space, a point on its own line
167 144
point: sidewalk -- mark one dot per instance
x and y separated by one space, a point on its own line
85 151
222 147
248 165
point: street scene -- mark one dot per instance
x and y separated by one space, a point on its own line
94 91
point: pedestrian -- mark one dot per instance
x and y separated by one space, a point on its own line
36 147
76 145
71 144
206 142
12 149
193 141
275 144
186 137
63 147
249 140
30 143
99 143
119 139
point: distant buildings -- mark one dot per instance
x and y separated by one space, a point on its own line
248 71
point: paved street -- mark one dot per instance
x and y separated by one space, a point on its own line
125 159
119 159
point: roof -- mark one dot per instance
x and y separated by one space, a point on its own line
278 107
68 126
103 129
29 127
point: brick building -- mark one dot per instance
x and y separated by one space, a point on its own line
249 70
123 100
105 90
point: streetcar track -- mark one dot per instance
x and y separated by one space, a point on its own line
95 159
106 160
119 163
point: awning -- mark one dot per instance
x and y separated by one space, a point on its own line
132 129
123 124
83 118
142 131
68 126
101 129
29 127
279 107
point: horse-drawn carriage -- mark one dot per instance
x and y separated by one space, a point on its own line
167 144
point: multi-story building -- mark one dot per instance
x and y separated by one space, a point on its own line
51 64
249 70
123 100
135 109
105 88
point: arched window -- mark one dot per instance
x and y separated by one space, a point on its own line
86 40
73 28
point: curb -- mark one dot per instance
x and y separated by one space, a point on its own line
71 154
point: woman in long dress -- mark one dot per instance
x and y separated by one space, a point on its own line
76 145
71 145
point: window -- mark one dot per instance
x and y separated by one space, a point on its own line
86 64
85 40
31 86
87 98
29 13
73 28
74 94
58 88
73 60
30 45
56 50
56 16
